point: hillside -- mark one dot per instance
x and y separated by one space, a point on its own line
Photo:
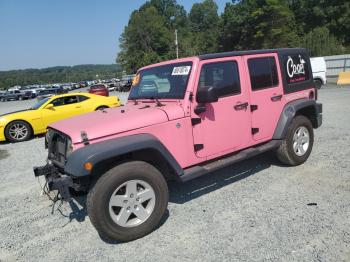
58 74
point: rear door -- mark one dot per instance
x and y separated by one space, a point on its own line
225 124
266 94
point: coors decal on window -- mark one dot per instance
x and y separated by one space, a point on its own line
296 69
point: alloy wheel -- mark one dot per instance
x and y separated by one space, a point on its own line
132 203
18 131
301 141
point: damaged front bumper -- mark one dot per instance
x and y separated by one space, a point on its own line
55 180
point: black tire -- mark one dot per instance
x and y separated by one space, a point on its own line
318 83
101 108
285 152
99 196
11 138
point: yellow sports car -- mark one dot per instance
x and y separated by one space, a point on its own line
20 126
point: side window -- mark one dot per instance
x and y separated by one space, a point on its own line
70 100
223 76
57 102
67 100
82 98
263 72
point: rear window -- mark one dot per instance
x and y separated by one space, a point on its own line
263 72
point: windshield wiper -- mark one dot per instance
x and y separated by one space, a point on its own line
158 103
134 100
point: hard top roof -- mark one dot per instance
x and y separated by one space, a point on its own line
252 52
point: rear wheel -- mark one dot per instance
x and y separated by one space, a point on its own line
296 147
128 201
18 131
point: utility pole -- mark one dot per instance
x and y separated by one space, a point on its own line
176 45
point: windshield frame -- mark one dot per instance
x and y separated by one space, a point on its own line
163 97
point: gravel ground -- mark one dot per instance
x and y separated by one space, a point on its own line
257 210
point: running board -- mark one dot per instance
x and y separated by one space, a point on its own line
197 171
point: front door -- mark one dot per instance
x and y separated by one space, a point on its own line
63 107
225 124
266 94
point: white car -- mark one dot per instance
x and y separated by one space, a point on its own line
319 70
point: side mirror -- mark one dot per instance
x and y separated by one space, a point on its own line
49 106
207 95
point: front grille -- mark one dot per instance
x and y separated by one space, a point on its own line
57 146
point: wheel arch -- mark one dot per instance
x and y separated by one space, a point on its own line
105 106
320 79
27 122
306 107
149 155
107 154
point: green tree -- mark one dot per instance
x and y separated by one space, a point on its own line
275 25
175 17
321 43
256 24
145 40
204 25
333 14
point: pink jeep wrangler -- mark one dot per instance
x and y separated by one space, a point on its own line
184 118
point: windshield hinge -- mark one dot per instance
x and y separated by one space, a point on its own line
191 96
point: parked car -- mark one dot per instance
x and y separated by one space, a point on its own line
99 89
28 94
12 95
125 83
2 93
50 92
83 84
20 126
319 71
184 118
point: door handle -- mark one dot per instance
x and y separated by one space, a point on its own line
78 107
276 98
241 106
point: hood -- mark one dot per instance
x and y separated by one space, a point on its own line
15 112
113 121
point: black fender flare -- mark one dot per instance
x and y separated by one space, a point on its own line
288 113
95 153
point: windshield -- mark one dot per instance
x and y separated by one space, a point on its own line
168 81
40 103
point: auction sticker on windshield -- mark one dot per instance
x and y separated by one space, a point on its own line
181 70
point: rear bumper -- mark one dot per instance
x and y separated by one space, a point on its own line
55 180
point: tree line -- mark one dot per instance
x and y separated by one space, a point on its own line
58 74
319 25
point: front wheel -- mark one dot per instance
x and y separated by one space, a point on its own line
296 147
128 201
18 131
